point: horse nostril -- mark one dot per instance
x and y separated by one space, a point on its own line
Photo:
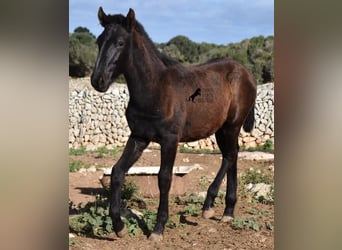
101 80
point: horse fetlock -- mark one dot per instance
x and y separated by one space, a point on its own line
226 219
207 214
122 232
155 237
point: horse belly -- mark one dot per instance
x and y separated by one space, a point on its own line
203 122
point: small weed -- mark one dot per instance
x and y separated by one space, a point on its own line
128 190
174 222
78 151
267 147
132 224
245 223
220 198
254 177
191 199
204 181
72 242
150 219
268 225
74 166
95 219
262 214
191 210
183 149
101 152
115 151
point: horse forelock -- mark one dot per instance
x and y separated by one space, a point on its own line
116 19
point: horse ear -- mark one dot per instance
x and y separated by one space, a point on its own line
130 20
102 16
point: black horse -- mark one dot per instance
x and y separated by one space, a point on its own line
159 110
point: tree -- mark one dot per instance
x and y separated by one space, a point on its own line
172 51
186 47
82 52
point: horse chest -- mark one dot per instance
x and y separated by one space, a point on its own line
143 124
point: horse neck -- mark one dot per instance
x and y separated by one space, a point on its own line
143 68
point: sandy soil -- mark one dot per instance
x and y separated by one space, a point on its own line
197 233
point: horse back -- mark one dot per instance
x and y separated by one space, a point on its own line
202 98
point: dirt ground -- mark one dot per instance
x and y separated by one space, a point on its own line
197 233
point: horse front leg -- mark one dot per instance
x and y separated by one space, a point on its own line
131 154
168 154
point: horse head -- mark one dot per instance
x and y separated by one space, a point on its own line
113 44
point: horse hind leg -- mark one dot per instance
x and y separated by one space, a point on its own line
208 205
227 140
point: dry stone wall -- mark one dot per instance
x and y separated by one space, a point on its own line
98 119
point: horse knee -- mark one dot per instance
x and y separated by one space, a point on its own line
231 198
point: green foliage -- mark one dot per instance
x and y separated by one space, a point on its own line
103 151
128 190
186 47
95 220
79 151
132 224
255 53
74 166
260 219
255 176
190 199
183 149
245 223
172 51
191 210
82 52
268 146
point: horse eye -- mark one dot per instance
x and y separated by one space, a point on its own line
121 43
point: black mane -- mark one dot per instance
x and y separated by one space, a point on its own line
121 20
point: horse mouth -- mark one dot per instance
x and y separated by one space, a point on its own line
99 84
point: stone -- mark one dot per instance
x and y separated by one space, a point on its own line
90 147
71 138
91 169
193 144
186 159
82 170
95 139
259 189
87 106
107 113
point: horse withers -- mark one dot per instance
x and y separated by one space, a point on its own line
170 103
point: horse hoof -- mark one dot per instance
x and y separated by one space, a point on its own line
122 233
207 214
226 219
155 237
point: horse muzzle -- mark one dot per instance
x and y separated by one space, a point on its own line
98 83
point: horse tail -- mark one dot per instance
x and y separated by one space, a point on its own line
249 122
